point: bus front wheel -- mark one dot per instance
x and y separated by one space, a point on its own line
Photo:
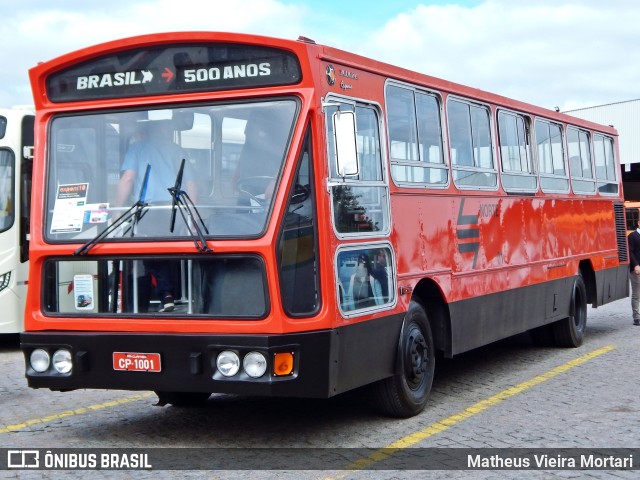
405 394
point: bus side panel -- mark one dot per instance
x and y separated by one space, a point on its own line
12 311
484 319
612 284
366 352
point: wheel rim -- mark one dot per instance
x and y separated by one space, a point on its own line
416 358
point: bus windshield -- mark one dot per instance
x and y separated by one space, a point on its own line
233 154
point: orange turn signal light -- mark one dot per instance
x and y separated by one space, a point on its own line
283 363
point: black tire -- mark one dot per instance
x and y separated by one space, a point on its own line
569 332
405 394
182 399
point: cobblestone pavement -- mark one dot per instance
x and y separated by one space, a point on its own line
500 396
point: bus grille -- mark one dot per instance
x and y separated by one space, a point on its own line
621 232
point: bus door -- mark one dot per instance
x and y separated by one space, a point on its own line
16 156
365 271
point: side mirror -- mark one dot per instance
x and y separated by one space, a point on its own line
344 128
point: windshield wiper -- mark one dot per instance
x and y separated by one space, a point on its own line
182 202
135 212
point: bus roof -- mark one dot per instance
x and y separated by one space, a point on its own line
306 50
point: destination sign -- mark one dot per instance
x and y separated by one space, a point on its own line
175 69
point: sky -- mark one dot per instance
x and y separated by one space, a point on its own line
553 53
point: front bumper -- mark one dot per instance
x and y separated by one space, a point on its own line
188 362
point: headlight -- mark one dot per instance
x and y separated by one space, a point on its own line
254 364
40 360
62 361
5 279
228 363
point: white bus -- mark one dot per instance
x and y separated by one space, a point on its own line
16 156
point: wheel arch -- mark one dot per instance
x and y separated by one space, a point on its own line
429 294
586 271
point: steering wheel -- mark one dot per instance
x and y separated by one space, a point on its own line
259 184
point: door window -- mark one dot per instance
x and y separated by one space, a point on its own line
359 201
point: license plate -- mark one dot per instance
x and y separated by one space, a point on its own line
136 362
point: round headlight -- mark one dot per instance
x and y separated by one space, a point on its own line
40 360
228 363
254 364
62 361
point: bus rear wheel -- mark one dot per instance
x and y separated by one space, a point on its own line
405 394
569 332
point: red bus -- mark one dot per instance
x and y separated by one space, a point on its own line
238 214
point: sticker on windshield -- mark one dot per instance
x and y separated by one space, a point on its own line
96 213
68 211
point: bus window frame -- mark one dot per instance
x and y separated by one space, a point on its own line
495 170
307 147
54 263
565 158
332 181
393 289
531 163
574 178
446 160
605 182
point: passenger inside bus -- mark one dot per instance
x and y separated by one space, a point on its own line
364 289
153 145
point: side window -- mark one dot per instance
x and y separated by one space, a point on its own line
365 277
605 164
402 125
471 146
580 161
297 246
415 136
551 157
369 156
7 180
517 167
360 201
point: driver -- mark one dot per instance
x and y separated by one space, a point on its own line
261 155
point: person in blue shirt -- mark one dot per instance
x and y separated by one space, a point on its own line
154 146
